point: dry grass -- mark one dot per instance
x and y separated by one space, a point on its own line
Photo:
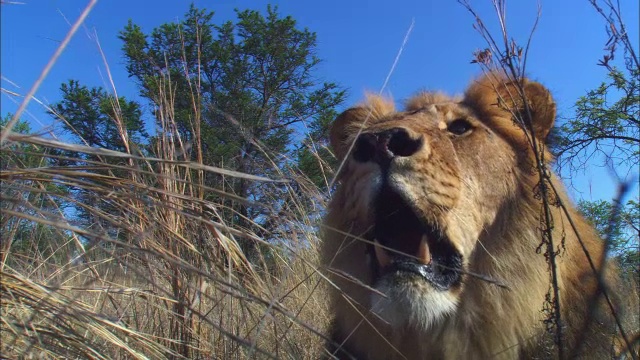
165 281
160 274
159 271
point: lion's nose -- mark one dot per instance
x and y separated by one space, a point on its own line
383 146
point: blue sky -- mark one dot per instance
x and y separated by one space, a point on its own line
357 41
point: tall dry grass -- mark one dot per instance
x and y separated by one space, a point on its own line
160 274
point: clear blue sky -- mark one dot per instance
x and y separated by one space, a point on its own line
357 41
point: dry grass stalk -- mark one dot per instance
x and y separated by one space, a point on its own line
159 273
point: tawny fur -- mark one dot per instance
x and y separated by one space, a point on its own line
481 188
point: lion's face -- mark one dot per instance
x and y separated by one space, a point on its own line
417 190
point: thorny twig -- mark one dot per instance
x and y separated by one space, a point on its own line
613 223
512 61
617 33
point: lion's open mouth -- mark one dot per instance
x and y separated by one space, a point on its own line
411 245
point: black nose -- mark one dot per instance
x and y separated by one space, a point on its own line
383 146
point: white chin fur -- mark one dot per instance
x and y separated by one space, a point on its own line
418 306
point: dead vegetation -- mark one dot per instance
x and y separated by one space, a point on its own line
167 278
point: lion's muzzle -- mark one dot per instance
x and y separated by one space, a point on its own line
405 243
382 147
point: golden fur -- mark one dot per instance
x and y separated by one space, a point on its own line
479 189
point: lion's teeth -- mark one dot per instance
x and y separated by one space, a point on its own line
381 254
424 255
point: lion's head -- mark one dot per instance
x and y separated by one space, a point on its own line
435 205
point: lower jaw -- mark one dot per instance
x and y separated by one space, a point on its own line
414 304
410 271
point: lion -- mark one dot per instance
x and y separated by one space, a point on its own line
433 241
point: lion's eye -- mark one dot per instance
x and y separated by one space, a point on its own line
459 126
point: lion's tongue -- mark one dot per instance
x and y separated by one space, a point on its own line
413 245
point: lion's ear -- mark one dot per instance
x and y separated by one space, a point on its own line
349 123
494 96
342 126
542 108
